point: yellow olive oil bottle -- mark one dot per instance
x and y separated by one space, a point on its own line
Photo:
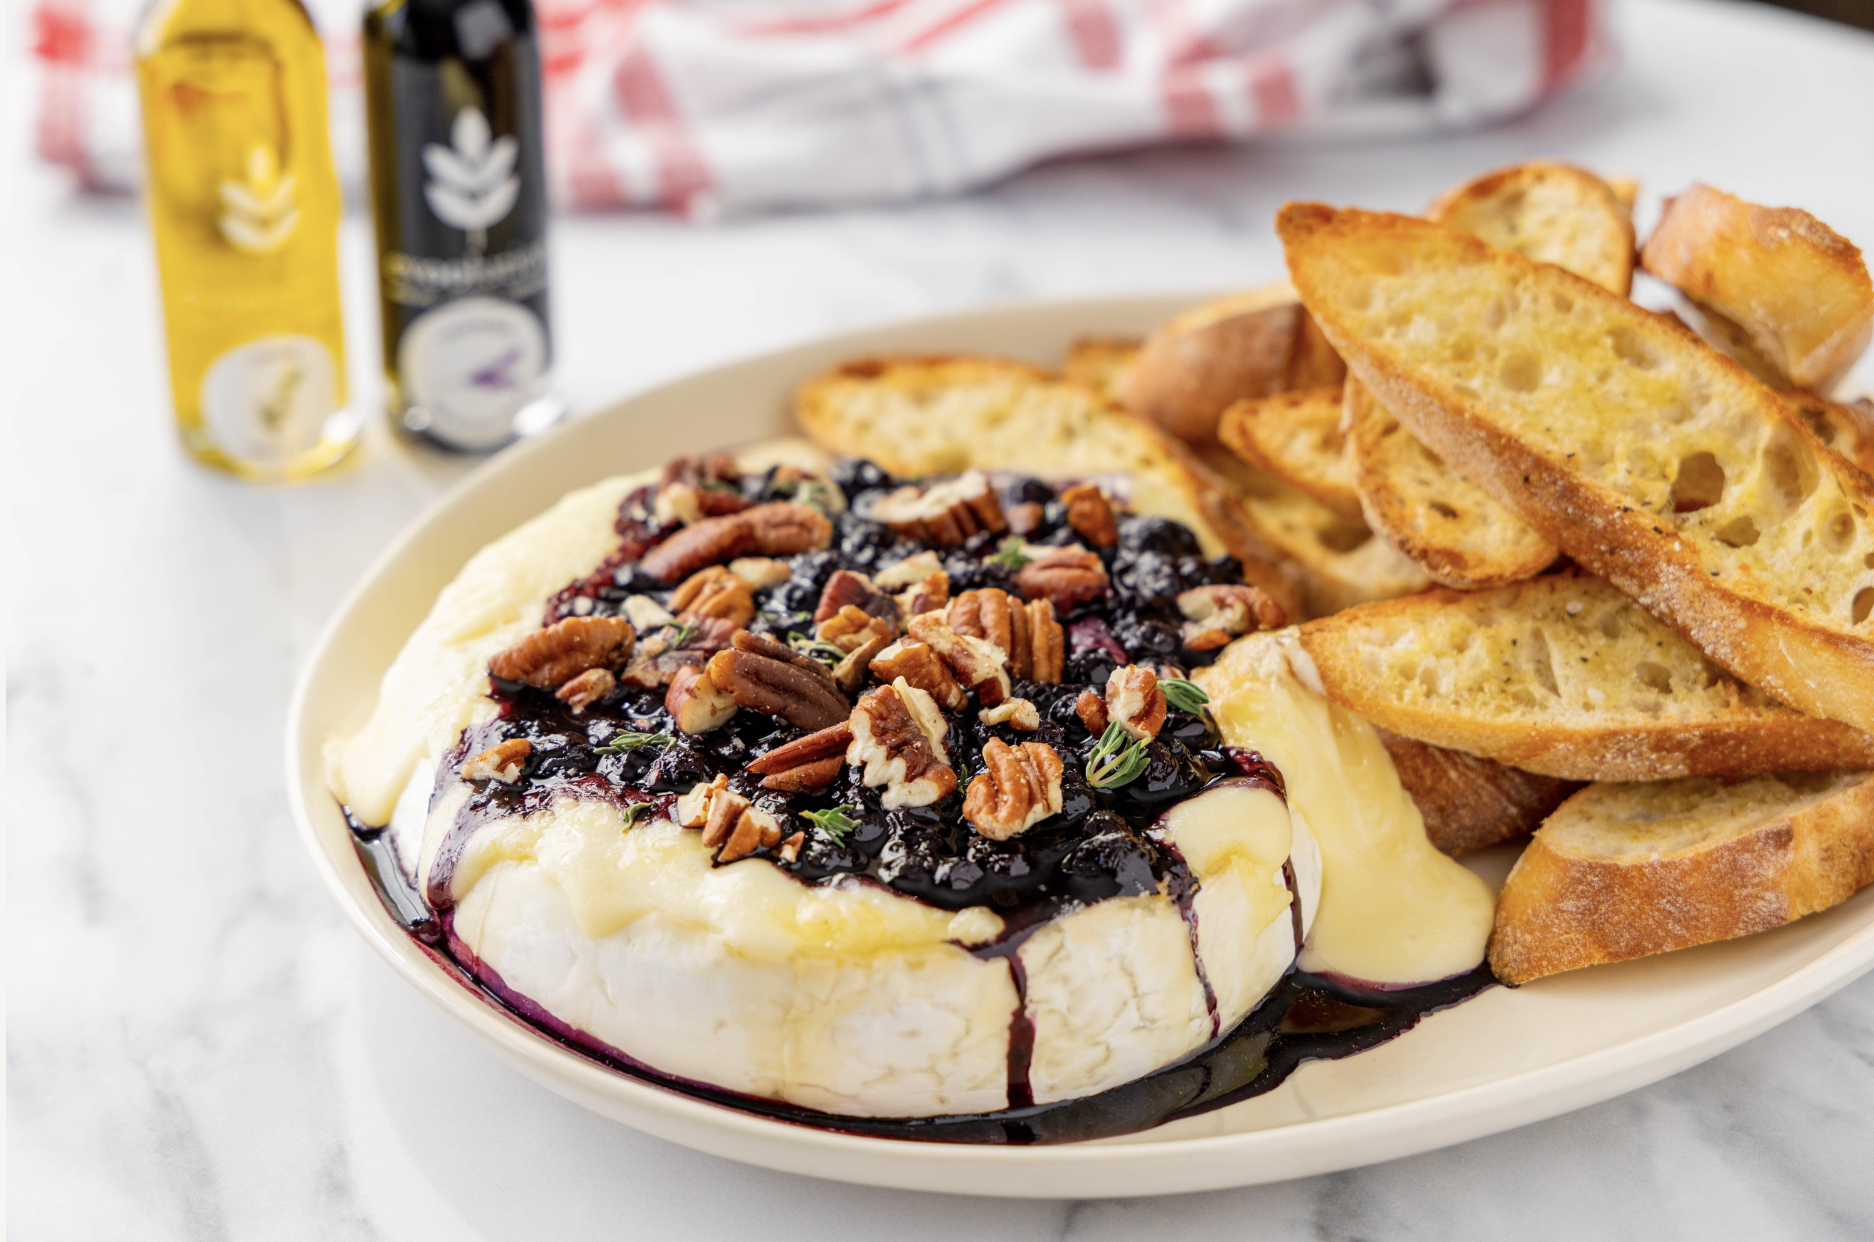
244 204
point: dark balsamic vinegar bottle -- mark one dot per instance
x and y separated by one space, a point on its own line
452 92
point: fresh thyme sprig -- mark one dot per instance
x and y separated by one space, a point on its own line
1012 554
836 822
813 648
1118 759
1184 696
681 632
632 812
623 742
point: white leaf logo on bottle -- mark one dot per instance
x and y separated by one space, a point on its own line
258 215
472 185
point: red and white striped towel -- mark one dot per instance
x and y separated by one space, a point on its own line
739 105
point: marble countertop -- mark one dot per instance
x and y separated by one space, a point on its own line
199 1048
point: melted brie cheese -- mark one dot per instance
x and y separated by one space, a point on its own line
1393 910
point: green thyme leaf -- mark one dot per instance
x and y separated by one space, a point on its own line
807 645
1118 759
1012 554
836 822
633 811
1184 696
720 485
682 633
622 742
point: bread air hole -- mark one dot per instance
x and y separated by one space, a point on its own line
1520 373
1737 533
1791 467
1442 509
1564 303
1653 676
1863 603
1699 484
1495 315
1345 536
1838 531
1633 349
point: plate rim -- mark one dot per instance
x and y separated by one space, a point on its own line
1075 1170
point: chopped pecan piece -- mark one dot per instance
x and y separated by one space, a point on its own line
552 657
978 664
501 762
790 848
852 627
943 514
690 503
927 596
851 672
897 737
1089 513
696 702
778 528
760 571
1065 577
658 657
1025 518
915 662
908 572
728 820
1047 643
1091 709
762 645
1216 614
1015 713
714 592
809 762
1019 787
927 586
586 689
1134 702
692 809
778 688
846 589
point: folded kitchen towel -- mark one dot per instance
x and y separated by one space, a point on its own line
745 105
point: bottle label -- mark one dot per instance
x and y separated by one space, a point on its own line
267 400
471 364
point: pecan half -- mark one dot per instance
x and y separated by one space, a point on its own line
586 689
846 589
1065 577
915 662
551 657
809 762
943 514
1047 643
696 702
1089 513
978 664
658 657
1017 714
1020 786
1091 708
1216 614
1134 702
501 762
714 592
897 738
778 528
762 645
778 688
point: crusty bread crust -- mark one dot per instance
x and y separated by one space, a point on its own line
1246 345
1458 535
1554 213
1793 294
1589 890
1846 428
932 414
1469 802
1563 676
1768 610
1295 436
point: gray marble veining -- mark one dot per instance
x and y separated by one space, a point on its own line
198 1048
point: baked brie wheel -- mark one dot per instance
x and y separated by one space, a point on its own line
883 798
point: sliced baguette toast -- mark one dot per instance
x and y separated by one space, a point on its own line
1469 802
1452 528
1848 429
934 415
1786 292
1249 344
1565 676
1295 436
1627 870
1554 213
1648 458
1099 361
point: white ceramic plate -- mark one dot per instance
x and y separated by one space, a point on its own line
1503 1059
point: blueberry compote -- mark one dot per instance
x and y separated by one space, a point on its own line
1096 847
